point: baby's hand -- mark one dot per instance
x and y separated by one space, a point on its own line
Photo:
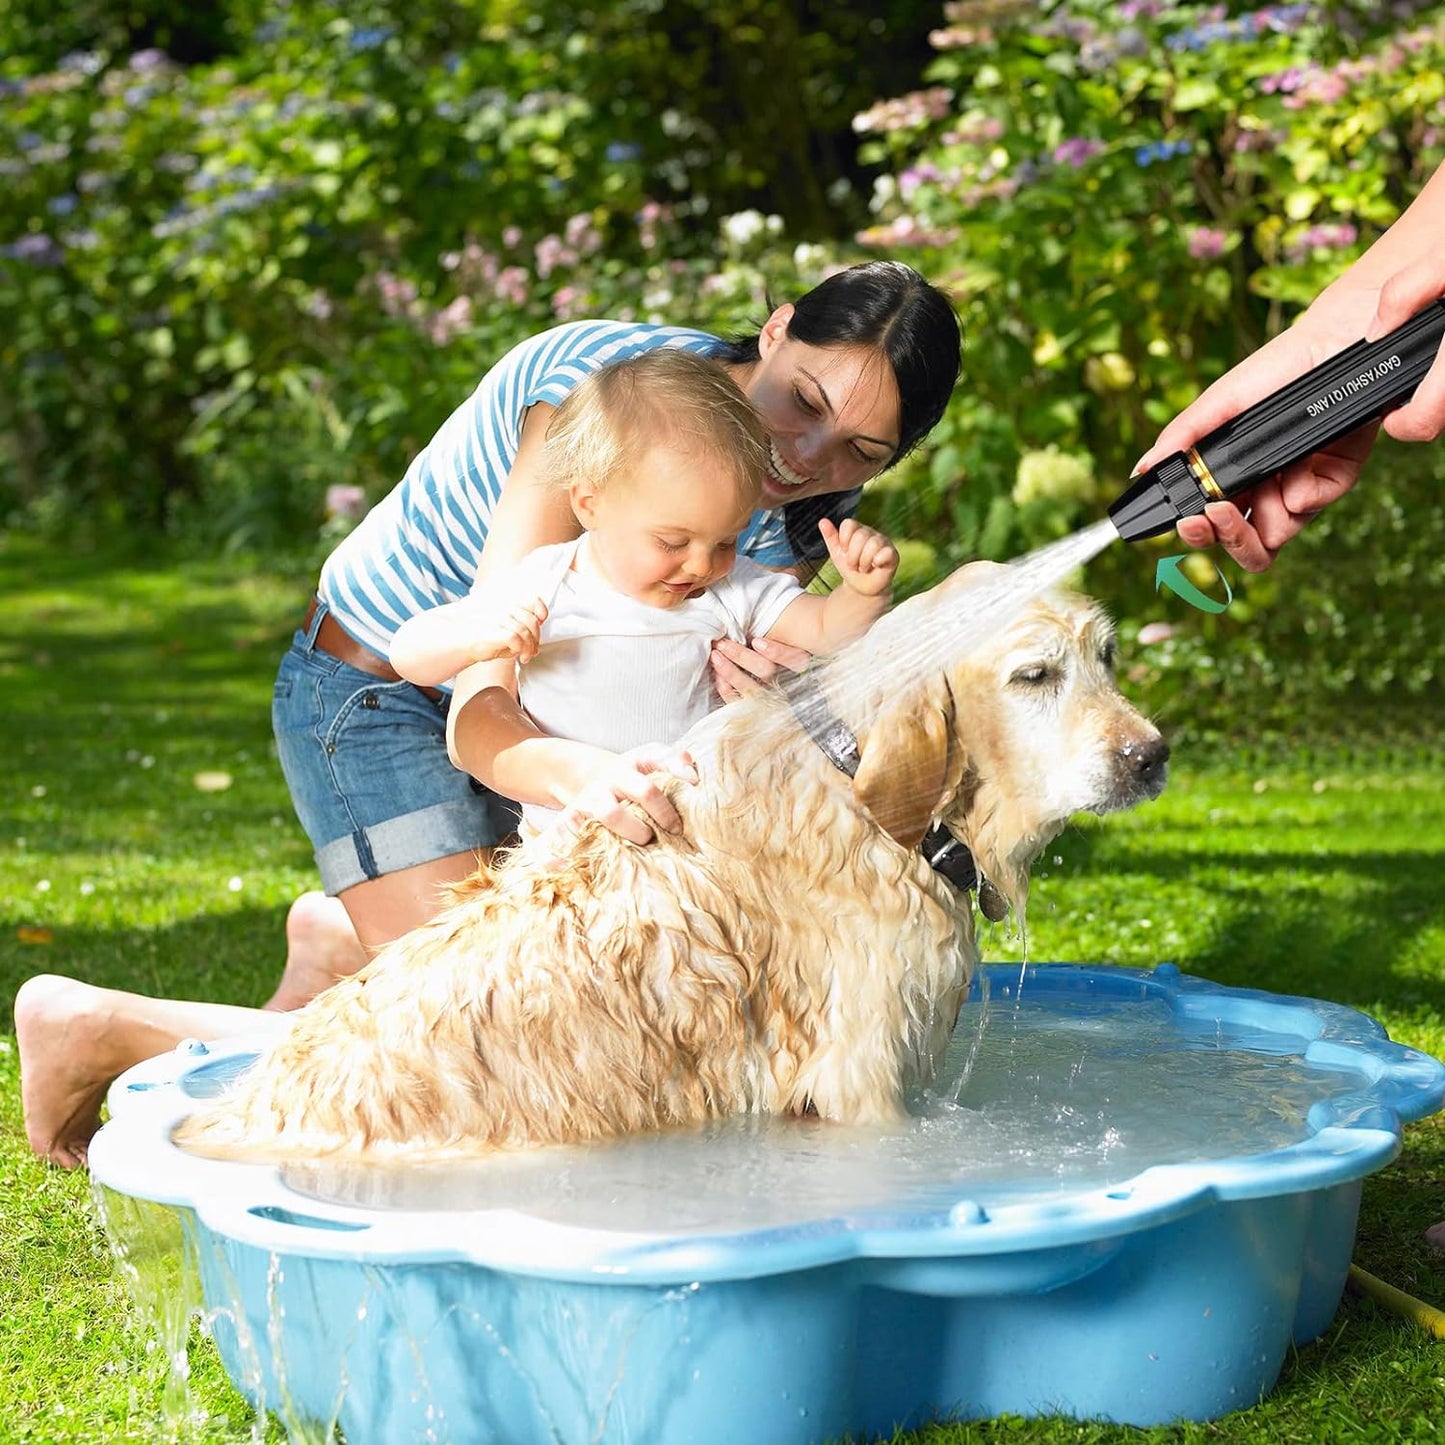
866 560
517 634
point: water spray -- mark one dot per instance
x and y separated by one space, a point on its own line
1363 382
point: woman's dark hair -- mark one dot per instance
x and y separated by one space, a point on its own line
890 307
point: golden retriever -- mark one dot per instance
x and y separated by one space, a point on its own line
790 952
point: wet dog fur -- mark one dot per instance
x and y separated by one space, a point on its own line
790 952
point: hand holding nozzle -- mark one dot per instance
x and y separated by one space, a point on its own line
1329 402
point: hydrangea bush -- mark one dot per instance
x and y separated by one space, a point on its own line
1128 196
229 289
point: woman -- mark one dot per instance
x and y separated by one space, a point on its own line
848 379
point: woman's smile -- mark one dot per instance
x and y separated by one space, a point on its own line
783 473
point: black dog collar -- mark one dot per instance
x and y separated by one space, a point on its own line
941 850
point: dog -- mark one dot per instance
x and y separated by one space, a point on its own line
790 952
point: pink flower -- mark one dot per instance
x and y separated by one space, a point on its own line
511 285
551 252
565 301
1325 237
1206 243
345 503
449 322
398 296
581 234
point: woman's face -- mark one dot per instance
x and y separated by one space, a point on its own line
831 411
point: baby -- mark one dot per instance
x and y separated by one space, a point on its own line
605 640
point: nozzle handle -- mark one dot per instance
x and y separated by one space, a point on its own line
1364 381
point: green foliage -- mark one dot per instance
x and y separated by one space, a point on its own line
194 248
228 288
1128 198
326 235
126 679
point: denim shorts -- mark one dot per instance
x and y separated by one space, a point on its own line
366 762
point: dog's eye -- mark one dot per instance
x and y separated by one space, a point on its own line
1109 655
1035 675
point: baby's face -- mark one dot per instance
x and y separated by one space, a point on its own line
668 529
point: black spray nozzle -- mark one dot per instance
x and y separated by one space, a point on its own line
1360 384
1157 499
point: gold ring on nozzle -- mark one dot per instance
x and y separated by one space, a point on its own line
1203 476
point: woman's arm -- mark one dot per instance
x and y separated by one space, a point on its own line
528 514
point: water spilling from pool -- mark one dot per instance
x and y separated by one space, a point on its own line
1142 1190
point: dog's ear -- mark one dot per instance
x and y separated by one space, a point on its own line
904 768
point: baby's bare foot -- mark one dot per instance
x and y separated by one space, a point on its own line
321 947
65 1068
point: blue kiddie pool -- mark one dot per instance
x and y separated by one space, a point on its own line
1125 1197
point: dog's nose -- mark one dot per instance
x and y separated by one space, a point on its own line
1146 760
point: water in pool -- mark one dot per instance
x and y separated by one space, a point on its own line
1051 1103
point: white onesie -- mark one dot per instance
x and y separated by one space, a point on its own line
617 673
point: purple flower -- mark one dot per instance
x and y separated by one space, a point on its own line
1075 151
1326 237
37 249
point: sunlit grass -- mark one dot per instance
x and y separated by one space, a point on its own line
123 682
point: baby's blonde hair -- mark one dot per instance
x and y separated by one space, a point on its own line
663 397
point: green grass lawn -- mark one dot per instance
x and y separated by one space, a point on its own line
1316 874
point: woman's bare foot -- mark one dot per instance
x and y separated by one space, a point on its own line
321 946
75 1039
1435 1236
68 1057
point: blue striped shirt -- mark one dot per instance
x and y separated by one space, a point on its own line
421 545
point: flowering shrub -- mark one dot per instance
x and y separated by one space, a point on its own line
1128 196
185 253
229 288
326 234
